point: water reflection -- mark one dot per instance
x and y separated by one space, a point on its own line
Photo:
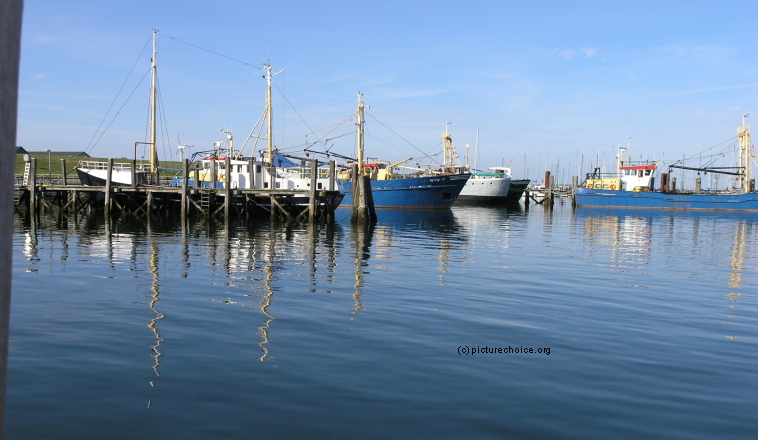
154 300
637 238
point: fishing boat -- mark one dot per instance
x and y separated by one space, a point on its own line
270 170
224 165
426 189
487 188
483 187
633 185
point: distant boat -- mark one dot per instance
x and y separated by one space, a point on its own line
432 189
633 186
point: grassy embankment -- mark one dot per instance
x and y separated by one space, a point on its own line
52 165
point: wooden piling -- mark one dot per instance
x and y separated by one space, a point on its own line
185 185
108 182
227 186
332 174
33 186
63 172
314 191
10 49
574 186
213 175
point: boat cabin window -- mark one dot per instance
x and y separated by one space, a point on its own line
258 169
647 172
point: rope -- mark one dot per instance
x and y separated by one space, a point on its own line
90 146
117 113
210 51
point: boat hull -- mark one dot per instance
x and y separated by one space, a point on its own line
98 177
413 192
590 198
485 190
516 190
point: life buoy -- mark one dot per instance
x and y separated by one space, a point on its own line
590 186
613 186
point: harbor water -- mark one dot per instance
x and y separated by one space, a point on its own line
473 323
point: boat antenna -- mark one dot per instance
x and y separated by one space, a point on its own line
476 150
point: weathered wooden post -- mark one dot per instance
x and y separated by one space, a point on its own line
314 191
332 174
10 48
108 182
185 185
63 172
574 186
213 177
134 172
227 187
33 186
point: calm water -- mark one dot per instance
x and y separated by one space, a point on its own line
242 331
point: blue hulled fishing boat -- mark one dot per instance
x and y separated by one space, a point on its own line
422 190
633 185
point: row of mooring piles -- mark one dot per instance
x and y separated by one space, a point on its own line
140 199
542 196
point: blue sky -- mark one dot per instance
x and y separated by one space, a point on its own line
549 82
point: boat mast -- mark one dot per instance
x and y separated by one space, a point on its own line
359 132
153 106
743 133
269 113
449 150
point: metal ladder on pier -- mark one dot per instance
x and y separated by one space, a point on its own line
205 201
27 170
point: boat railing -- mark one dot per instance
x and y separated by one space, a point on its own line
638 163
95 165
599 175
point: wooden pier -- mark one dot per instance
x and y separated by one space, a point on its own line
146 200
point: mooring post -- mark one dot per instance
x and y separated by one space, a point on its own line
314 191
33 184
63 172
213 175
108 181
185 185
574 186
10 48
548 188
332 174
227 187
250 174
134 173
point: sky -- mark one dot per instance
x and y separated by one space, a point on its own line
546 85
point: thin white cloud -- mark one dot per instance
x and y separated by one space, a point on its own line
569 54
